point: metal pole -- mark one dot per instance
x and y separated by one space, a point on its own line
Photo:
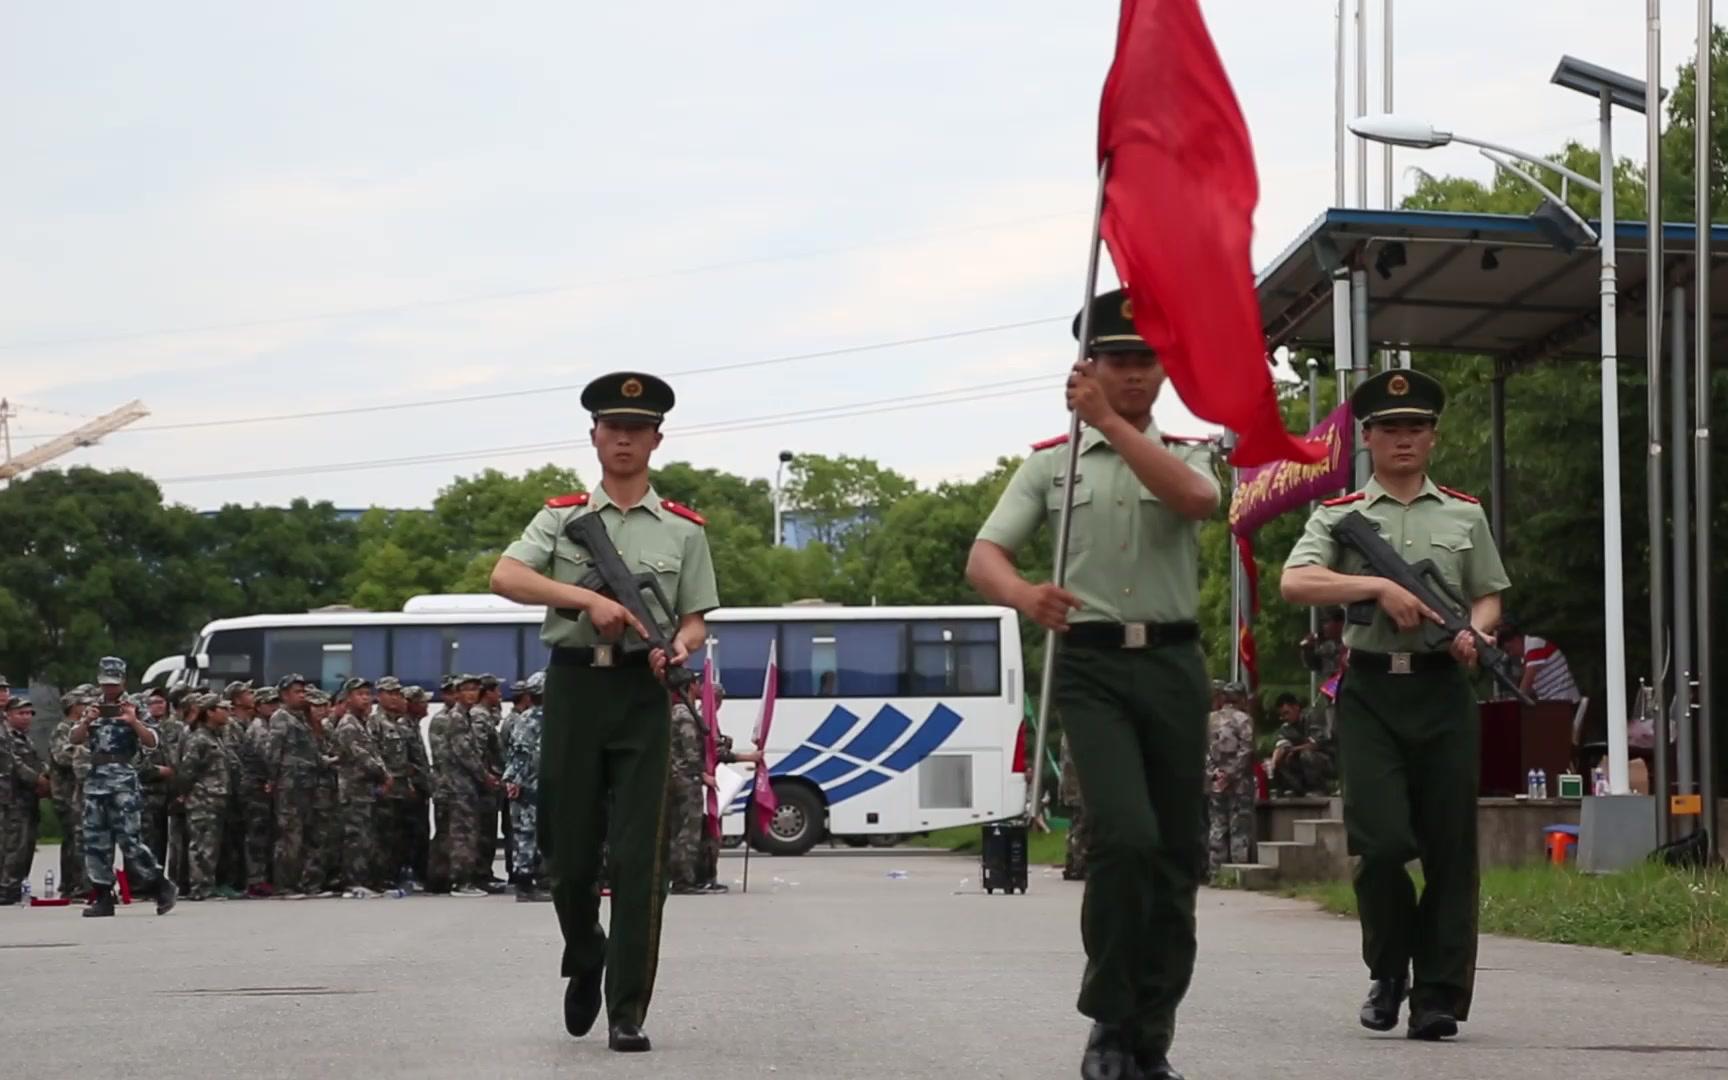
1613 572
779 471
1064 521
1682 495
1313 420
1236 583
1341 109
1707 770
1497 455
1362 100
1360 353
1653 398
1386 96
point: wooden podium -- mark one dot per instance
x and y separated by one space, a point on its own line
1517 738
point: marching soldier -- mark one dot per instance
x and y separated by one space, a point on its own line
1407 718
23 784
115 734
1131 688
607 713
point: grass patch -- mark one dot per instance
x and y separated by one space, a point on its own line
1648 909
1042 848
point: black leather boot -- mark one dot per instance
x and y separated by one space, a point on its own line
1385 997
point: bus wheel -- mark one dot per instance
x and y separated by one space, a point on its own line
797 824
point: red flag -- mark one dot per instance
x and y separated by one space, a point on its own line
766 803
1250 607
1178 218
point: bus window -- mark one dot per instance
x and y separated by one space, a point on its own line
486 650
235 655
536 654
740 656
841 659
422 654
956 658
325 655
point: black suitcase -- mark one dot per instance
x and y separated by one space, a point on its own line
1004 857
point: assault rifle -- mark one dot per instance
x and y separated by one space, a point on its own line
612 578
1423 581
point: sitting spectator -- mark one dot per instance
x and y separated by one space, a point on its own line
1547 677
1302 760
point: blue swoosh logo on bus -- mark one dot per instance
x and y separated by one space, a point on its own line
865 762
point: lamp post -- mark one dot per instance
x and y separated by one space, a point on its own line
1609 88
779 474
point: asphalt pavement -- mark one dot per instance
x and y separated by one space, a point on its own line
873 964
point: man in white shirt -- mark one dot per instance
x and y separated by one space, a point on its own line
1546 674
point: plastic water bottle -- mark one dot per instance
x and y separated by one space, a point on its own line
48 892
1530 784
1598 782
1541 783
24 893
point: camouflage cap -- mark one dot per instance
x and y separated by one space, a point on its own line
206 701
71 698
156 691
111 671
519 688
19 704
286 681
477 680
178 695
4 685
536 683
388 684
267 696
447 684
84 688
489 681
1234 690
316 696
236 688
355 683
416 693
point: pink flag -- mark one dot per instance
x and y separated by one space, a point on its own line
710 748
763 797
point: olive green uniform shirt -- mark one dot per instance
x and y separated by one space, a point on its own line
650 538
1130 557
1450 530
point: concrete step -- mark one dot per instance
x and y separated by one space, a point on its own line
1324 832
1293 861
1257 877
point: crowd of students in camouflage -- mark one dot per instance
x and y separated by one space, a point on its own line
289 792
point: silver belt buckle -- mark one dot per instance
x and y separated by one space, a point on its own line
1134 635
603 656
1400 663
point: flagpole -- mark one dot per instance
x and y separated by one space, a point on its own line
1064 522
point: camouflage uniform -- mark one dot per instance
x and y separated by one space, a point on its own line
231 865
205 779
522 767
361 775
687 796
460 793
173 735
157 795
1230 788
255 802
113 805
68 763
21 769
293 760
1068 790
1307 770
397 741
326 840
494 806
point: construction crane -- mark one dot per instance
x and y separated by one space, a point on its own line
84 435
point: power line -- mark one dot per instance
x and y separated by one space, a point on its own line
509 294
904 403
464 399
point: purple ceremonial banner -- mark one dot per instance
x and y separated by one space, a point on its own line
1269 490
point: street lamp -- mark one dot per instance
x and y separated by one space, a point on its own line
779 472
1609 88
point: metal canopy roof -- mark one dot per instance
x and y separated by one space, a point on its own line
1490 284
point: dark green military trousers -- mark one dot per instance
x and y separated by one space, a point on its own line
604 768
1136 726
1409 752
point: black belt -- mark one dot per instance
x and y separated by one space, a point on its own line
598 656
1102 635
1401 663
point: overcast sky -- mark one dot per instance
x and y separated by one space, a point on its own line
236 212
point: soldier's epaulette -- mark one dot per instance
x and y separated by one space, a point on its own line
1354 496
683 511
1459 495
1055 440
575 498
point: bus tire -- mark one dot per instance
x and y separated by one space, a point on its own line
798 824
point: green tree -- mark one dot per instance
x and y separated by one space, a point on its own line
839 496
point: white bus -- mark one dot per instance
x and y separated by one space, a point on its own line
890 720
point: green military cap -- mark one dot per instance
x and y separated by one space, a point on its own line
1399 393
206 701
416 693
19 704
267 696
290 680
71 698
236 688
628 395
464 680
388 683
178 695
447 683
4 685
1112 329
317 697
489 681
356 683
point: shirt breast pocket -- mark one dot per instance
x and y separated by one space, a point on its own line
1450 549
1081 525
665 566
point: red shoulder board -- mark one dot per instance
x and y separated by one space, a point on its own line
1355 496
575 498
1055 440
1459 495
683 511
